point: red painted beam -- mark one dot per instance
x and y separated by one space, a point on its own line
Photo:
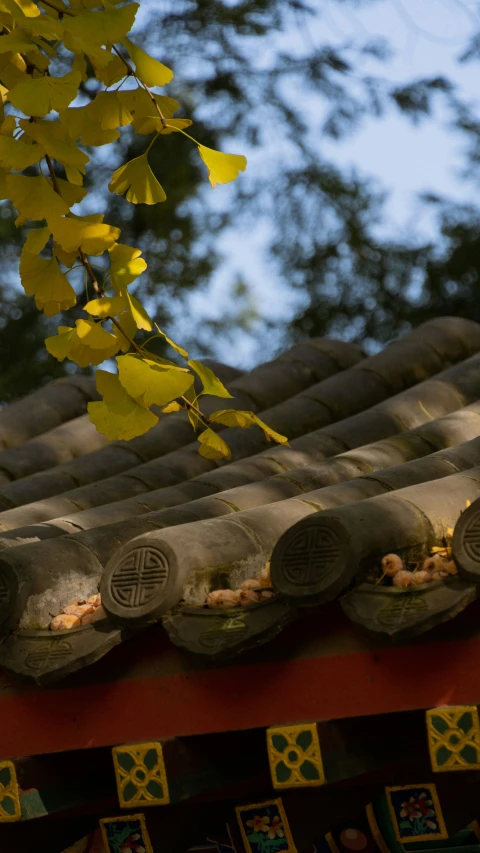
239 697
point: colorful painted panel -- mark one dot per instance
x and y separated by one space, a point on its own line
416 813
141 776
265 828
294 756
9 799
125 834
454 738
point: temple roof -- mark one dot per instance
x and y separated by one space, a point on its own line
384 457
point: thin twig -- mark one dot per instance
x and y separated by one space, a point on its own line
132 72
196 411
56 9
52 174
127 337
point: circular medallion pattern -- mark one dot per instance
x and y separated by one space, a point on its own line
309 555
138 577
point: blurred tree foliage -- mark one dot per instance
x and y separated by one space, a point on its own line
238 71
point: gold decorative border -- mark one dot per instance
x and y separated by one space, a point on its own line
433 747
138 801
275 757
278 803
11 790
413 839
375 829
124 819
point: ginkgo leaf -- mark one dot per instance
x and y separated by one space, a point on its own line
34 197
222 168
269 433
36 240
88 343
235 417
211 383
17 42
107 306
152 383
8 126
79 127
74 175
29 9
137 180
128 326
125 265
15 155
67 258
176 347
172 407
39 25
37 96
153 124
90 30
92 237
118 416
140 316
140 103
41 278
12 69
108 69
150 70
109 111
72 193
53 138
213 447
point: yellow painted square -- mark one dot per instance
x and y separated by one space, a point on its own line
9 794
295 756
141 777
454 738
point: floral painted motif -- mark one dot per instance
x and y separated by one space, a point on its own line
125 835
416 813
265 829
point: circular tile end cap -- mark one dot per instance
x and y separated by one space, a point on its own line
140 582
313 561
9 595
466 543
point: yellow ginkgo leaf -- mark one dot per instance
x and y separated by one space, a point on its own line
222 168
36 96
153 124
108 69
67 258
109 111
74 175
15 155
140 316
152 383
128 326
38 25
235 417
41 278
80 127
8 126
107 306
137 180
118 415
72 193
125 265
140 103
172 407
88 31
92 237
150 71
12 69
211 383
213 447
53 138
37 239
28 8
88 343
17 42
33 197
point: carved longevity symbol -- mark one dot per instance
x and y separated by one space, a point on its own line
402 608
52 652
138 577
310 555
471 538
